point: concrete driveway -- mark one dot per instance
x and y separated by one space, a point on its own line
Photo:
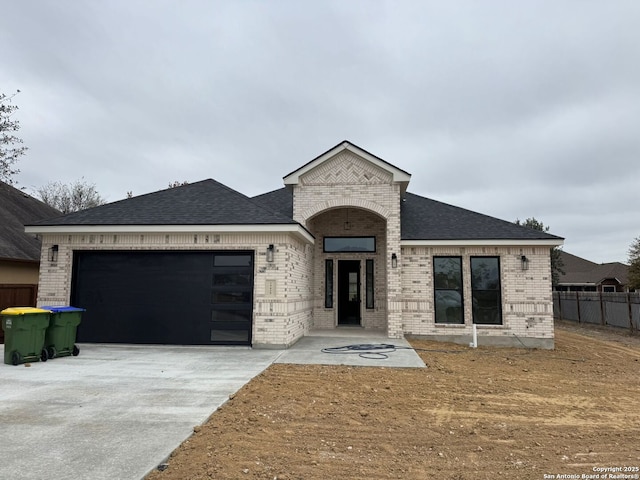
117 411
113 412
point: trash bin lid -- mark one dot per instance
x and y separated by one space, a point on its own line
22 311
61 309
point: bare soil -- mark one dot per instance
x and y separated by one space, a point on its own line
481 413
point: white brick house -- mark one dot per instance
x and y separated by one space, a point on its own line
342 245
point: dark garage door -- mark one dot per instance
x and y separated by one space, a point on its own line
181 298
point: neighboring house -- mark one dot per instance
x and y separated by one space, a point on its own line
19 251
342 245
584 276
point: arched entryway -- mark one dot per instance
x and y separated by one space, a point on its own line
349 268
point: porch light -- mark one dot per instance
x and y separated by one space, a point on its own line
53 253
394 260
270 253
524 262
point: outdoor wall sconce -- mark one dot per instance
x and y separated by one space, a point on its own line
270 253
524 261
53 253
394 260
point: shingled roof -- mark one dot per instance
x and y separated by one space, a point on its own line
202 203
16 210
211 203
280 201
426 219
579 271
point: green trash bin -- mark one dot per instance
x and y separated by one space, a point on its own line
24 331
60 337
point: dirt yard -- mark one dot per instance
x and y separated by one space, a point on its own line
472 414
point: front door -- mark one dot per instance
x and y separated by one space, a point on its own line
348 292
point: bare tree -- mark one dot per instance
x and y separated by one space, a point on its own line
70 197
177 183
634 264
10 146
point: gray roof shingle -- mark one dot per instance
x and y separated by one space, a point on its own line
280 201
579 271
17 209
202 203
426 219
211 203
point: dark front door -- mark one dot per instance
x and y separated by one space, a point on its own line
349 292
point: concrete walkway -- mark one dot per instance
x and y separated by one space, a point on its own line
117 411
351 346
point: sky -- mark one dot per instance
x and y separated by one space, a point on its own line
511 109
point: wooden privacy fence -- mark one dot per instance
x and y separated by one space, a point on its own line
599 308
17 296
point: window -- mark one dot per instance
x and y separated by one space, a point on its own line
447 279
349 244
485 290
369 283
328 283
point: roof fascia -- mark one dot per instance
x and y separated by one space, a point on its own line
399 176
295 229
485 242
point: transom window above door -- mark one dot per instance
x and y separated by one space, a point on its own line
349 244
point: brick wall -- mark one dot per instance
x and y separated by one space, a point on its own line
360 223
279 319
347 185
527 307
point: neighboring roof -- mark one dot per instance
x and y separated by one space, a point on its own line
579 271
202 203
426 219
398 174
17 209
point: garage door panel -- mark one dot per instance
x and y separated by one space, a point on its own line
164 297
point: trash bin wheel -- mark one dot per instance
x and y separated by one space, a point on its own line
52 351
44 356
16 358
75 351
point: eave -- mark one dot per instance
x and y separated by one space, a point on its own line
294 229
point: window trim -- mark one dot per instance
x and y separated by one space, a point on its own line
324 245
328 283
436 290
370 285
499 290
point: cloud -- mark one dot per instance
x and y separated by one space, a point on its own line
508 108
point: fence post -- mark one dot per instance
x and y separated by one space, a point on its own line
578 306
630 312
560 304
601 308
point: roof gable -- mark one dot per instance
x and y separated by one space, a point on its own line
384 168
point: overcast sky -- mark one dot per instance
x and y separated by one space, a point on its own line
509 108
